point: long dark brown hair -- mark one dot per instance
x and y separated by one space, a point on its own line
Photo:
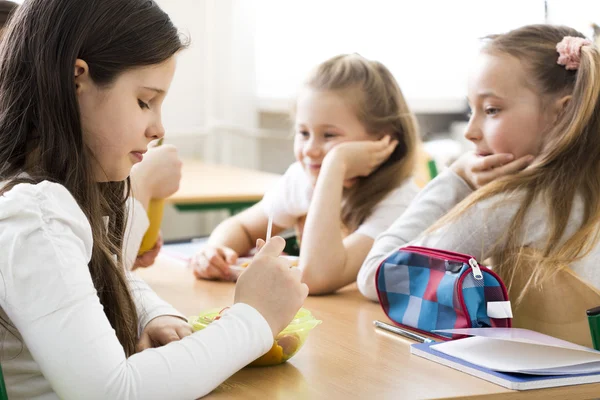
6 10
381 108
40 122
568 165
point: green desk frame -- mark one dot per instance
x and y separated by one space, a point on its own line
3 395
232 207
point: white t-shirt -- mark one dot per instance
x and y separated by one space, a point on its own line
290 199
61 345
476 232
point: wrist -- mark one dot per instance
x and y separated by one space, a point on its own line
334 160
458 168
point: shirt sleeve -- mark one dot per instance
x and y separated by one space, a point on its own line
137 225
388 210
147 303
47 243
290 198
475 232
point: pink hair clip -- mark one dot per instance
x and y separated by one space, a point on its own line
569 51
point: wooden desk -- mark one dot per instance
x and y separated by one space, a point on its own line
211 186
344 357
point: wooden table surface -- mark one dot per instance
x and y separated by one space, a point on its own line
203 183
344 357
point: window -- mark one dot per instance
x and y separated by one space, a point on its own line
426 44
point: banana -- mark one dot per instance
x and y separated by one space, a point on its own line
155 215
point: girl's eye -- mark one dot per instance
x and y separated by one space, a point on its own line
492 110
304 134
329 135
143 105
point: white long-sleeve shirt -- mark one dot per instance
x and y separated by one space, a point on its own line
60 343
290 199
476 232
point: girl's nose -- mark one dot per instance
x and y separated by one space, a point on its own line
473 133
312 149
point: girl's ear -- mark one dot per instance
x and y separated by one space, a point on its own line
561 104
82 75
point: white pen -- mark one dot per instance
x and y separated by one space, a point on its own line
402 332
269 227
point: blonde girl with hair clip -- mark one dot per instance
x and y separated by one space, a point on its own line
534 91
355 147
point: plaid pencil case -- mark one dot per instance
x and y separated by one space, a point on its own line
426 289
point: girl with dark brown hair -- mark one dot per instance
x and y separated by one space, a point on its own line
81 89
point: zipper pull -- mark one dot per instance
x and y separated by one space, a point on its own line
476 270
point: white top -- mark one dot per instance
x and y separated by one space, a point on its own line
62 345
290 199
475 232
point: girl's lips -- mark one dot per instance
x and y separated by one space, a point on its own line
313 166
138 156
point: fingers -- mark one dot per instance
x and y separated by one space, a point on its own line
272 248
159 242
144 343
230 256
184 330
386 144
215 257
386 148
207 271
145 260
486 176
211 264
167 336
515 166
296 272
491 161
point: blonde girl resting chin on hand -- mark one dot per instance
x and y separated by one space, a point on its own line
534 91
355 144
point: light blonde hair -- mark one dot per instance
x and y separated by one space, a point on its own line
568 165
379 105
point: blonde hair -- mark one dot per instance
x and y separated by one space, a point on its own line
568 165
380 106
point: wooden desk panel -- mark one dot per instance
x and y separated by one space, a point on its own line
211 183
344 357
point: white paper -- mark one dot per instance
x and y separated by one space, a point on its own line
518 356
184 251
518 335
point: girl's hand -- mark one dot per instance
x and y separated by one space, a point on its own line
147 259
478 171
271 286
158 175
212 262
163 330
361 158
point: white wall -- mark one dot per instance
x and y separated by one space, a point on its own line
213 88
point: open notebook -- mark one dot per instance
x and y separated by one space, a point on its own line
515 358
